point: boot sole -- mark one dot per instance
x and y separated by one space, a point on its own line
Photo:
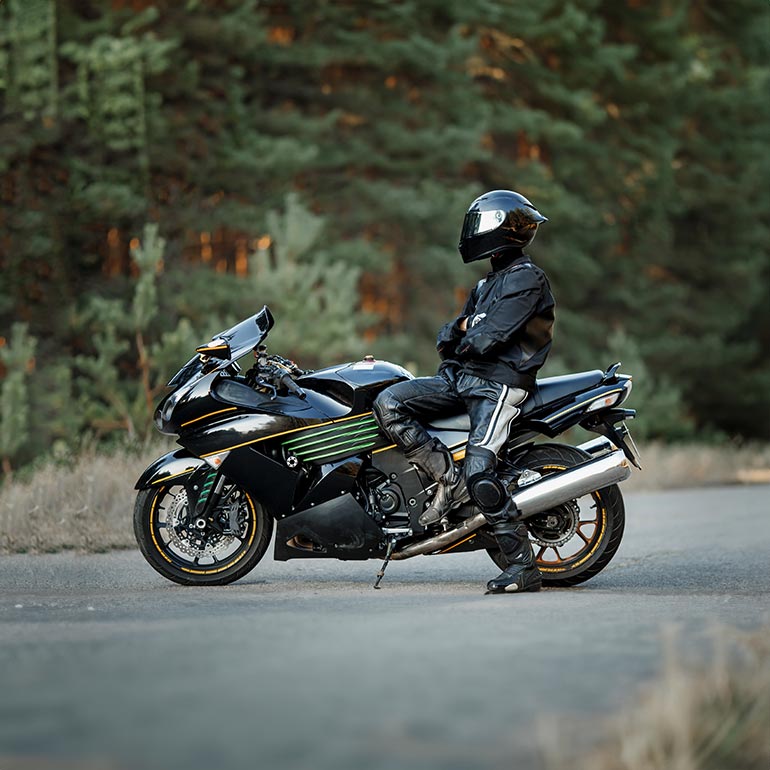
511 590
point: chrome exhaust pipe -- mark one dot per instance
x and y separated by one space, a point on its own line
537 497
580 480
597 446
441 541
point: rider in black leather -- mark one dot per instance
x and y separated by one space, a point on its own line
491 354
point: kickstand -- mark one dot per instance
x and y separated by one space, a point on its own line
388 554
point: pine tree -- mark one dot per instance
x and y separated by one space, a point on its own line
125 338
17 357
31 82
313 296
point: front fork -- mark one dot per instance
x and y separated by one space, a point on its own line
204 487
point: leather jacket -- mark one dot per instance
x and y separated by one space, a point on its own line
509 329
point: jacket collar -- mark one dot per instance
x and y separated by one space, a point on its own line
506 260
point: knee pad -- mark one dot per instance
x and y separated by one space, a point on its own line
487 492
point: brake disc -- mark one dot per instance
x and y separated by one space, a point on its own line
187 540
556 526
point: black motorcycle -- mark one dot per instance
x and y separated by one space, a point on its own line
300 452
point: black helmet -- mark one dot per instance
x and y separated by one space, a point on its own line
496 221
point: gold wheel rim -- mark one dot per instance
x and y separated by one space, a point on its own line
240 553
590 545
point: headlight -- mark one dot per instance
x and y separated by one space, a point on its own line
163 415
168 409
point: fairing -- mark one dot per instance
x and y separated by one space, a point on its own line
173 465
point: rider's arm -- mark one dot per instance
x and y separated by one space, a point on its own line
504 318
452 332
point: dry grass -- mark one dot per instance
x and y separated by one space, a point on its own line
693 465
713 716
86 503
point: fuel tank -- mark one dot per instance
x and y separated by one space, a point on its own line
355 384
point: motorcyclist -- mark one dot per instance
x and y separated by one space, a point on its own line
491 354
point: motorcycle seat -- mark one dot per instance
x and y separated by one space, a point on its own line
547 390
455 422
555 388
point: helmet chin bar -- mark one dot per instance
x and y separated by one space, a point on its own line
474 255
504 251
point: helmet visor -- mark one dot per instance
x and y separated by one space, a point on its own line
480 222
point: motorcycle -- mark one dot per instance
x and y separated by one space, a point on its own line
299 452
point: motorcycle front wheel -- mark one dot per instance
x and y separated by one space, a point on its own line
574 541
188 554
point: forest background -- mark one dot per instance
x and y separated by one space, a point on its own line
166 168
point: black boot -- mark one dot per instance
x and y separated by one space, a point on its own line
522 573
432 458
435 460
450 493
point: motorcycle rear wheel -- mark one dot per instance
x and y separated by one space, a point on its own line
177 552
590 527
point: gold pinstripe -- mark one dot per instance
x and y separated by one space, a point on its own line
459 542
210 414
174 475
285 433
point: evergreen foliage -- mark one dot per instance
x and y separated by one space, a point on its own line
320 156
31 79
17 357
303 283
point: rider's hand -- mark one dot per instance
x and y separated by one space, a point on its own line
462 323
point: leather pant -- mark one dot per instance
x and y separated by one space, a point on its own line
492 407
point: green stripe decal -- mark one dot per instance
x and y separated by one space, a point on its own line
349 450
362 439
352 434
312 434
336 440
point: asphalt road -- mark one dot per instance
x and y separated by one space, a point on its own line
104 664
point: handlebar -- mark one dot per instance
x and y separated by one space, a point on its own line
273 373
292 386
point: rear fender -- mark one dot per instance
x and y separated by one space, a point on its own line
175 464
611 424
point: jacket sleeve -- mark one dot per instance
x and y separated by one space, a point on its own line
515 306
451 333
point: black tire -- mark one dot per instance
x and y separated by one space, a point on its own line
164 554
598 549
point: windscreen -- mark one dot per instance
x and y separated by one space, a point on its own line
244 336
241 338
